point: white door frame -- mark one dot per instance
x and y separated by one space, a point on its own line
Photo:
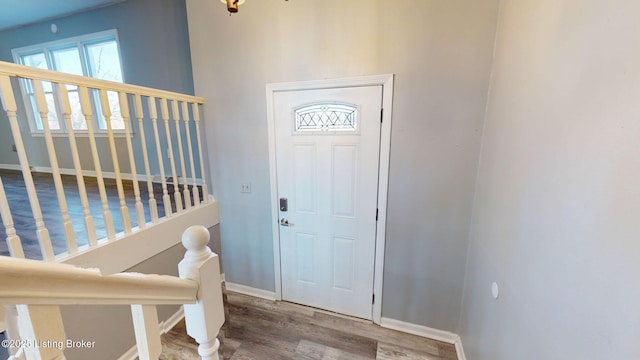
386 81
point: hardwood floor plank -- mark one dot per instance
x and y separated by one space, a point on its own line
259 329
377 333
296 328
25 224
393 352
308 350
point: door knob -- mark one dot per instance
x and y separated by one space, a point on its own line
285 222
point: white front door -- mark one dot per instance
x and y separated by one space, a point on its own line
327 155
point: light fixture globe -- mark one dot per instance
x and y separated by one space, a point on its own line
232 5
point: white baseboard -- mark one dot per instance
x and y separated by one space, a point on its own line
10 167
173 320
427 332
460 350
165 327
131 354
251 291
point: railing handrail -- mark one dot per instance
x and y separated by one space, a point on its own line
38 288
11 69
47 283
92 103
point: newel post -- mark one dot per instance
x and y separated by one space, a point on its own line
204 318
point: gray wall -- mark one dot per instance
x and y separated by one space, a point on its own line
440 52
111 327
557 205
154 46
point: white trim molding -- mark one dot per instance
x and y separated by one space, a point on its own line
173 320
386 82
460 350
165 327
251 291
10 167
426 332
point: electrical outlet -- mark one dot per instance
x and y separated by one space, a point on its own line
245 188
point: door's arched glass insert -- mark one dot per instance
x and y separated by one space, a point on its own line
326 117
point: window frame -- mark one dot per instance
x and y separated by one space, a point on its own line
47 49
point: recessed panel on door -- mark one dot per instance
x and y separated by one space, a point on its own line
344 179
343 263
305 254
304 177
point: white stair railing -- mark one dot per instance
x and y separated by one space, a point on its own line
94 102
38 288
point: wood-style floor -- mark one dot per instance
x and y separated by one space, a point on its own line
261 329
25 224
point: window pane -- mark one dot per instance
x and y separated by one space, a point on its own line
93 56
78 121
104 61
51 107
326 117
53 116
117 122
34 107
35 60
67 60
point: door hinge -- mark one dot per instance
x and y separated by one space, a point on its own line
376 214
373 299
381 112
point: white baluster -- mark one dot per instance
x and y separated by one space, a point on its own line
13 241
9 105
153 207
205 189
176 183
42 325
84 199
88 115
72 245
185 191
185 115
204 318
124 110
147 331
154 120
124 210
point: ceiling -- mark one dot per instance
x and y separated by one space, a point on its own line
15 13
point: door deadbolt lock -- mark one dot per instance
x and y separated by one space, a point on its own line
284 204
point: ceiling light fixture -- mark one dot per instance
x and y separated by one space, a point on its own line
232 5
